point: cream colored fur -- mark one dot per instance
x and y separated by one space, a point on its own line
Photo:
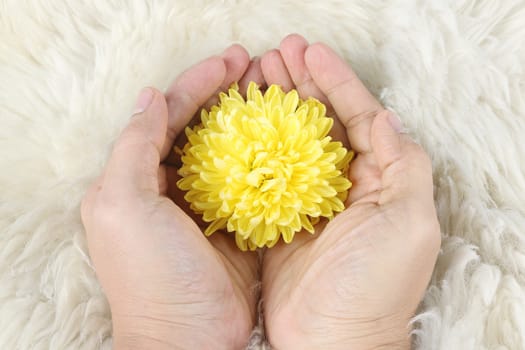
69 74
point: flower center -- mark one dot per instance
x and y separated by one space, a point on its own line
268 172
264 167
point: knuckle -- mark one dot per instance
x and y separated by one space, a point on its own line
346 82
134 139
356 120
130 137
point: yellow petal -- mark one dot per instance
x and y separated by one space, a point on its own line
263 167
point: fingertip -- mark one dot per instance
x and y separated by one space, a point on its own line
236 60
156 102
354 105
150 101
212 70
150 118
215 62
292 41
217 67
143 101
236 51
192 89
268 58
253 73
158 96
314 55
159 105
135 157
274 70
292 50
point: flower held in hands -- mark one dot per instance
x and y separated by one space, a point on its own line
264 167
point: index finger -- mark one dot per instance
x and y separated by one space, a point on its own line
189 91
200 87
355 106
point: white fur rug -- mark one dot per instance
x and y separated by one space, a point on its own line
69 74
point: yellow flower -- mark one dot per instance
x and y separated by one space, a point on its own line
264 167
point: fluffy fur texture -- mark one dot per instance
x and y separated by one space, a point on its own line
69 74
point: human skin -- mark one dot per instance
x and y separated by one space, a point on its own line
168 286
355 283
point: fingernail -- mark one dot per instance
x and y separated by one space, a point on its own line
395 122
144 100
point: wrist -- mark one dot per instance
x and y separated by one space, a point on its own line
382 344
180 337
134 333
140 342
160 330
385 333
379 335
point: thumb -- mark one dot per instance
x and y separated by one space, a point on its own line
386 139
405 167
134 163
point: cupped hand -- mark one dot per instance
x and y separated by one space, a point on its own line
168 286
355 283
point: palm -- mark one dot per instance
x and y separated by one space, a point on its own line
227 268
315 274
215 275
306 273
226 275
344 283
222 278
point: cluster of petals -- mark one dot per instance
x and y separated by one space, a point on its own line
264 167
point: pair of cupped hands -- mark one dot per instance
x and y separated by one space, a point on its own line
355 284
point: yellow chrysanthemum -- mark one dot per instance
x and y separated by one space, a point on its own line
264 167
